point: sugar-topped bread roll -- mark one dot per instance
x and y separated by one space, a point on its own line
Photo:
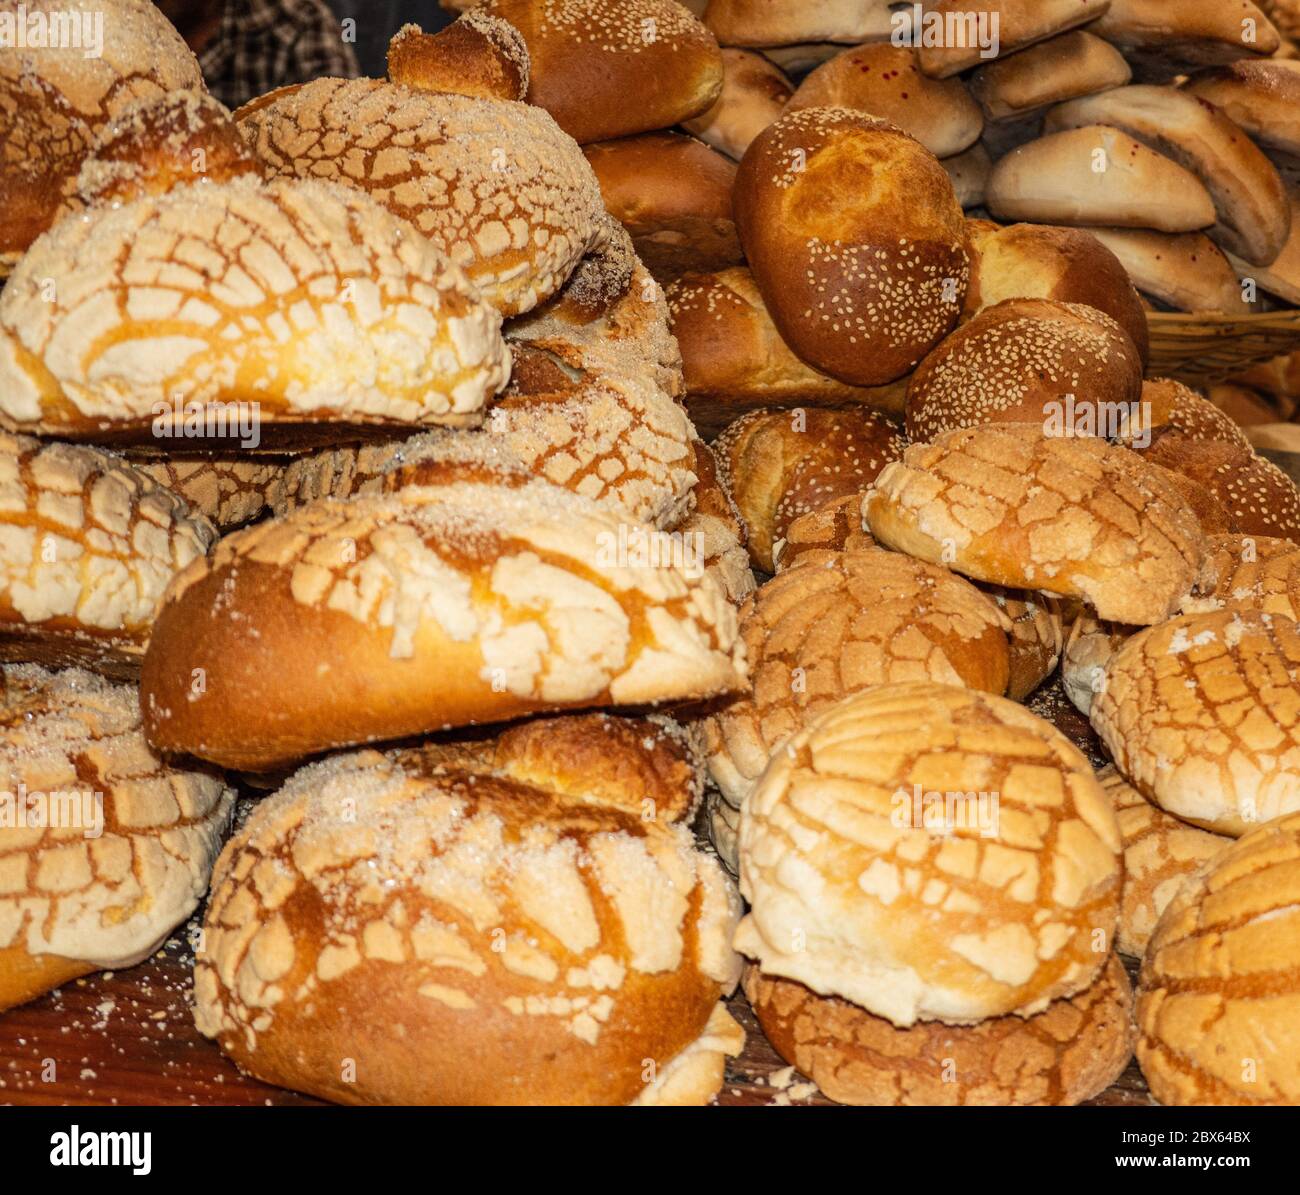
124 846
307 299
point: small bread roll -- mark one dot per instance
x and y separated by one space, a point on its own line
927 909
473 597
839 624
673 195
1064 366
792 22
496 186
1281 277
1217 1015
1051 72
1187 271
1066 1054
89 545
1037 261
1202 716
1097 175
856 241
755 92
1160 853
778 465
1009 24
1260 95
1183 31
969 174
309 300
466 937
885 80
124 846
479 55
611 68
1073 516
834 526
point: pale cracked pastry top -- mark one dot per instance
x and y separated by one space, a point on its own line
496 185
88 543
1256 572
1070 515
308 298
506 943
228 488
979 915
106 900
1202 715
839 624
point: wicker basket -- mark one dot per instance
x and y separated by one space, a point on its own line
1202 349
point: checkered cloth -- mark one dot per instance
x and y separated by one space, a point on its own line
264 44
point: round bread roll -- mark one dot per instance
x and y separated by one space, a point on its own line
1186 271
778 465
478 54
1217 1012
733 357
1071 1051
242 307
1035 638
1201 716
1063 68
1160 852
1066 367
673 195
1037 261
1260 95
835 526
1097 175
872 874
755 92
1259 497
611 68
1007 24
969 175
792 22
1073 516
843 623
884 80
104 850
53 102
496 186
1256 572
89 544
1168 405
1089 647
227 489
1183 31
472 598
1253 218
464 937
855 239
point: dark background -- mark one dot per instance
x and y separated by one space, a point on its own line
378 20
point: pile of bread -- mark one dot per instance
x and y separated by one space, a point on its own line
352 458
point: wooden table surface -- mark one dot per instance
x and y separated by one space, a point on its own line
129 1037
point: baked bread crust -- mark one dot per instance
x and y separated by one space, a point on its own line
1187 271
1194 31
1260 95
1018 25
1059 69
850 897
228 489
1256 572
477 54
754 93
835 526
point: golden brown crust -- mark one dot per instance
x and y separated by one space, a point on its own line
1018 25
1187 271
969 174
941 912
1061 68
863 284
1035 638
1062 1056
835 526
792 25
754 93
410 917
1202 715
1168 404
1073 516
840 623
1217 1007
1199 31
1261 96
1256 572
479 55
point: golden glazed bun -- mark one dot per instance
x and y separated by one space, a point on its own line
496 186
53 103
309 299
1062 68
1186 271
1062 366
88 544
1160 852
124 848
474 597
467 938
779 465
856 241
479 55
884 80
1037 261
673 195
959 918
1066 1054
1202 715
841 623
610 68
755 92
1218 1012
1014 23
1073 516
835 526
